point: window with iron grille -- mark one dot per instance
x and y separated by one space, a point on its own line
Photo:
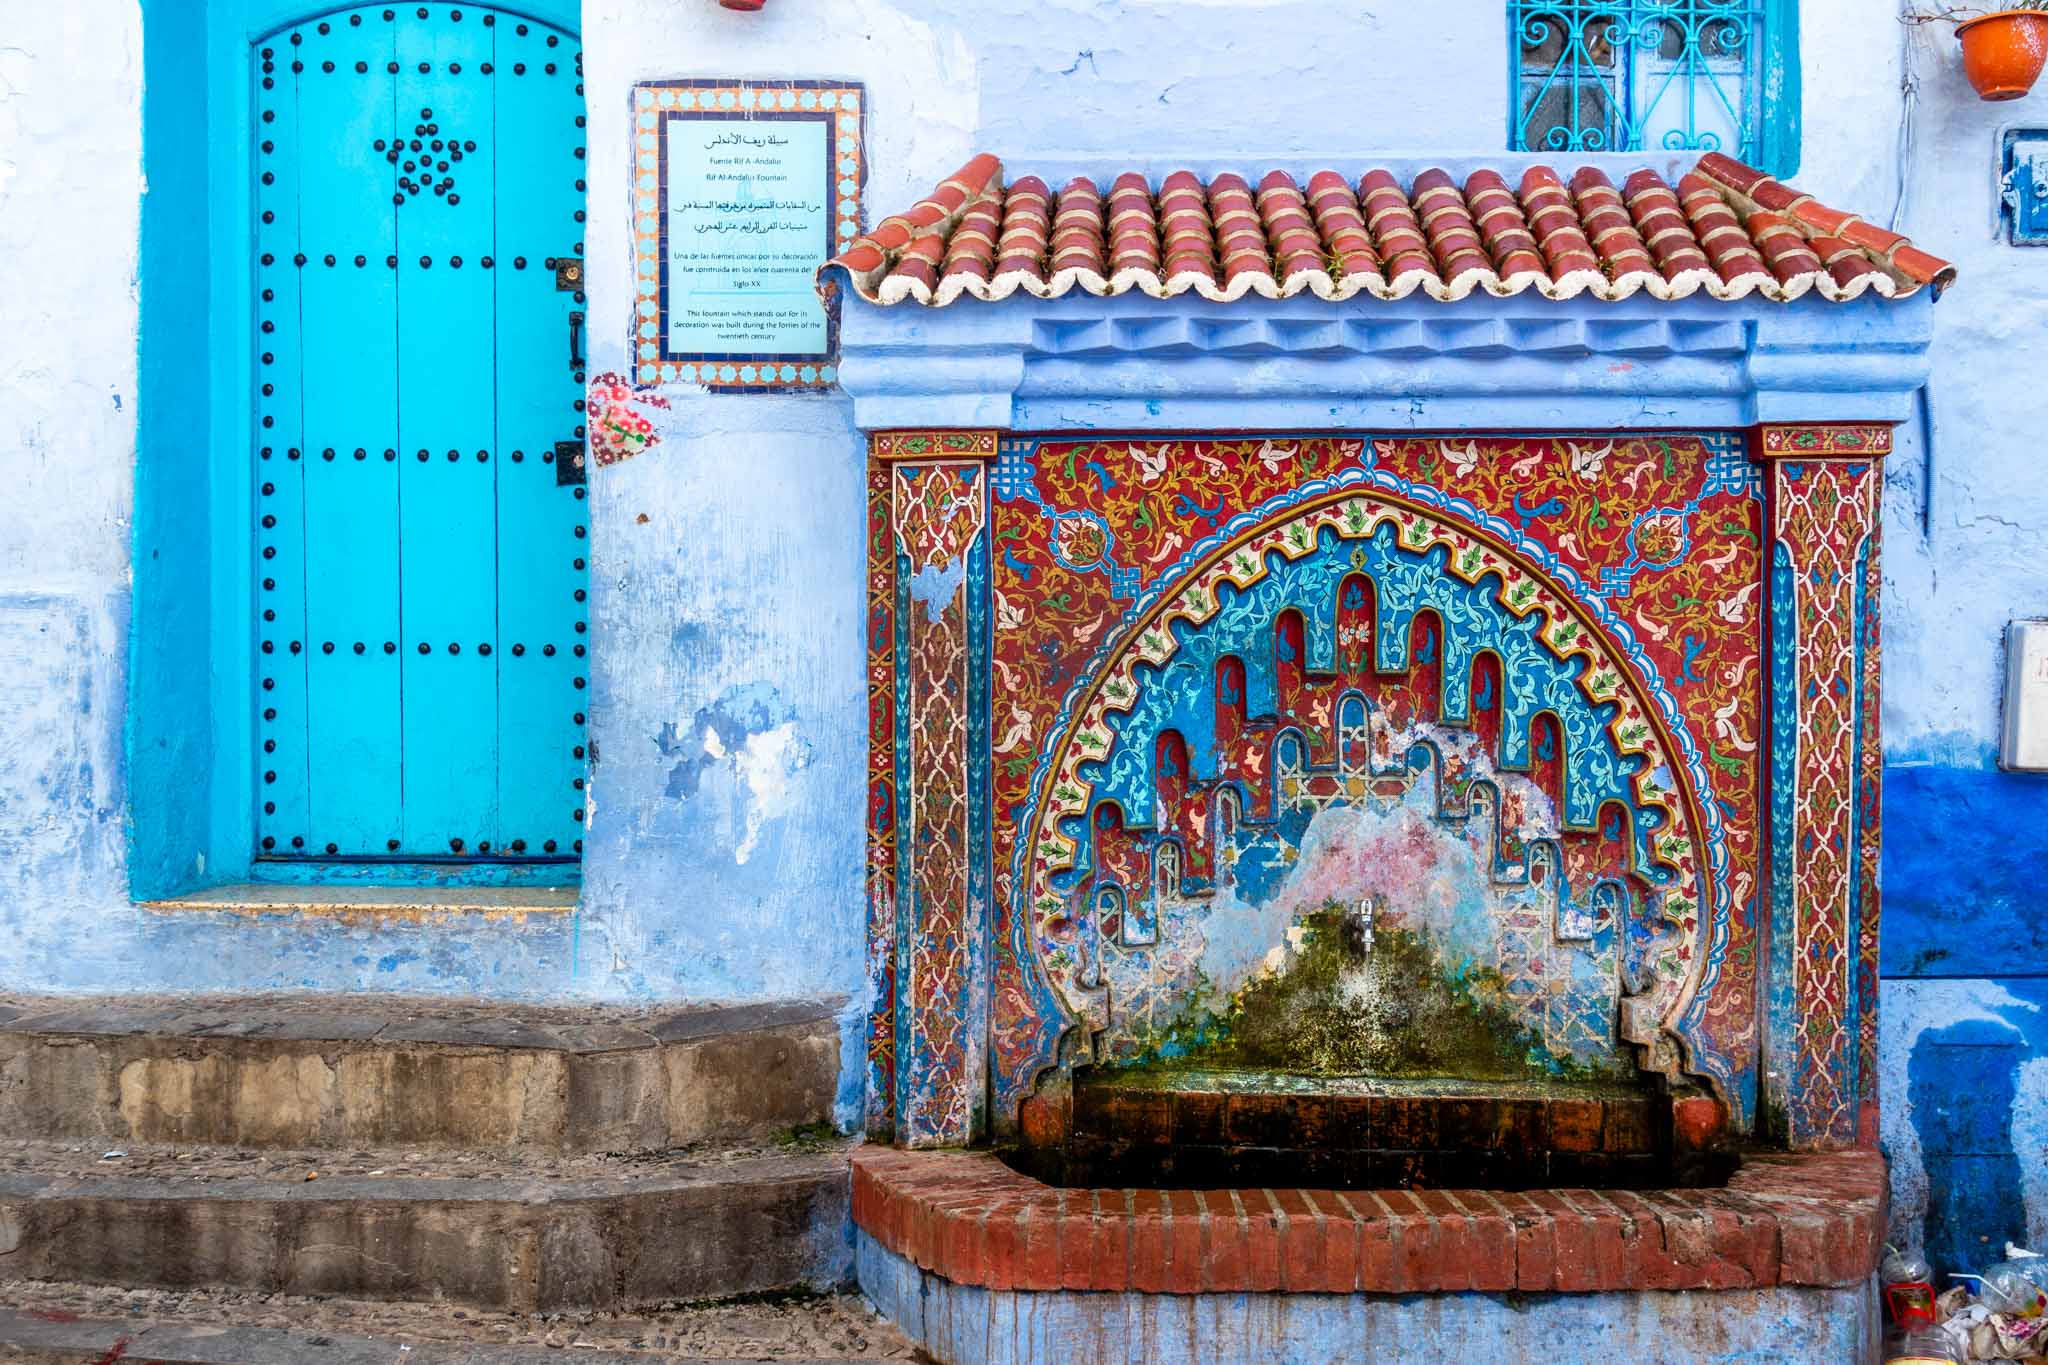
1656 75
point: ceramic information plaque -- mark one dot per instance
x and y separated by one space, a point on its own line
742 190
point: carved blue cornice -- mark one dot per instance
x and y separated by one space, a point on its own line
1135 363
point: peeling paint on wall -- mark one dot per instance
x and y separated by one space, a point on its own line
1964 1006
936 586
751 732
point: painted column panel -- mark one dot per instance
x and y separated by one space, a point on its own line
1869 801
1826 486
929 926
881 804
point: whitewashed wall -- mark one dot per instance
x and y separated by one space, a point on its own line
70 176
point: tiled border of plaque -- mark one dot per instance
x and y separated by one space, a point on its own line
842 107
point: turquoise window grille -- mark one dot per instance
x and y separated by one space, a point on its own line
1656 75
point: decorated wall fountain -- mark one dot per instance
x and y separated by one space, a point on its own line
1349 769
1322 736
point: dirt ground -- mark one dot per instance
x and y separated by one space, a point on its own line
829 1327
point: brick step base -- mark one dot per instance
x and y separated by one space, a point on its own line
353 1072
1810 1220
553 1234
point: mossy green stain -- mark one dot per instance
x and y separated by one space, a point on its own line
1398 1011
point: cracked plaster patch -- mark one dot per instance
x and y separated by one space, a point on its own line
750 732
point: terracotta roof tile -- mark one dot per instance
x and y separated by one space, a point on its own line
1077 230
1504 228
1133 226
1027 227
1662 223
1725 229
1608 226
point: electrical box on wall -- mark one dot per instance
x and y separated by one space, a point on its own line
2026 698
2023 186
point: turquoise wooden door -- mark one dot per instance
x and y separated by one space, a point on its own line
420 529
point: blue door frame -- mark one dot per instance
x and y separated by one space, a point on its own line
192 745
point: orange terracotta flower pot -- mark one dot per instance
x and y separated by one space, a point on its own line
2003 53
743 4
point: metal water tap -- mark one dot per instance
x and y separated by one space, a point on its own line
1358 922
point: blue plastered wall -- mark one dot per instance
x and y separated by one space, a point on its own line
724 854
1964 956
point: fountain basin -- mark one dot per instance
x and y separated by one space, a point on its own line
1208 1129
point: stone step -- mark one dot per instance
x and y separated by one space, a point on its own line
571 1232
354 1072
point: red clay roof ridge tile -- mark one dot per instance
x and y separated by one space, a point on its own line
1907 265
1726 230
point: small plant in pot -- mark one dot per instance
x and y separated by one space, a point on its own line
2004 51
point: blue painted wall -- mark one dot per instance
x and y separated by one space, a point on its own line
729 707
1964 850
1964 1008
1965 957
974 1326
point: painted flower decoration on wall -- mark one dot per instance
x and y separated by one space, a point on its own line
1082 542
619 425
